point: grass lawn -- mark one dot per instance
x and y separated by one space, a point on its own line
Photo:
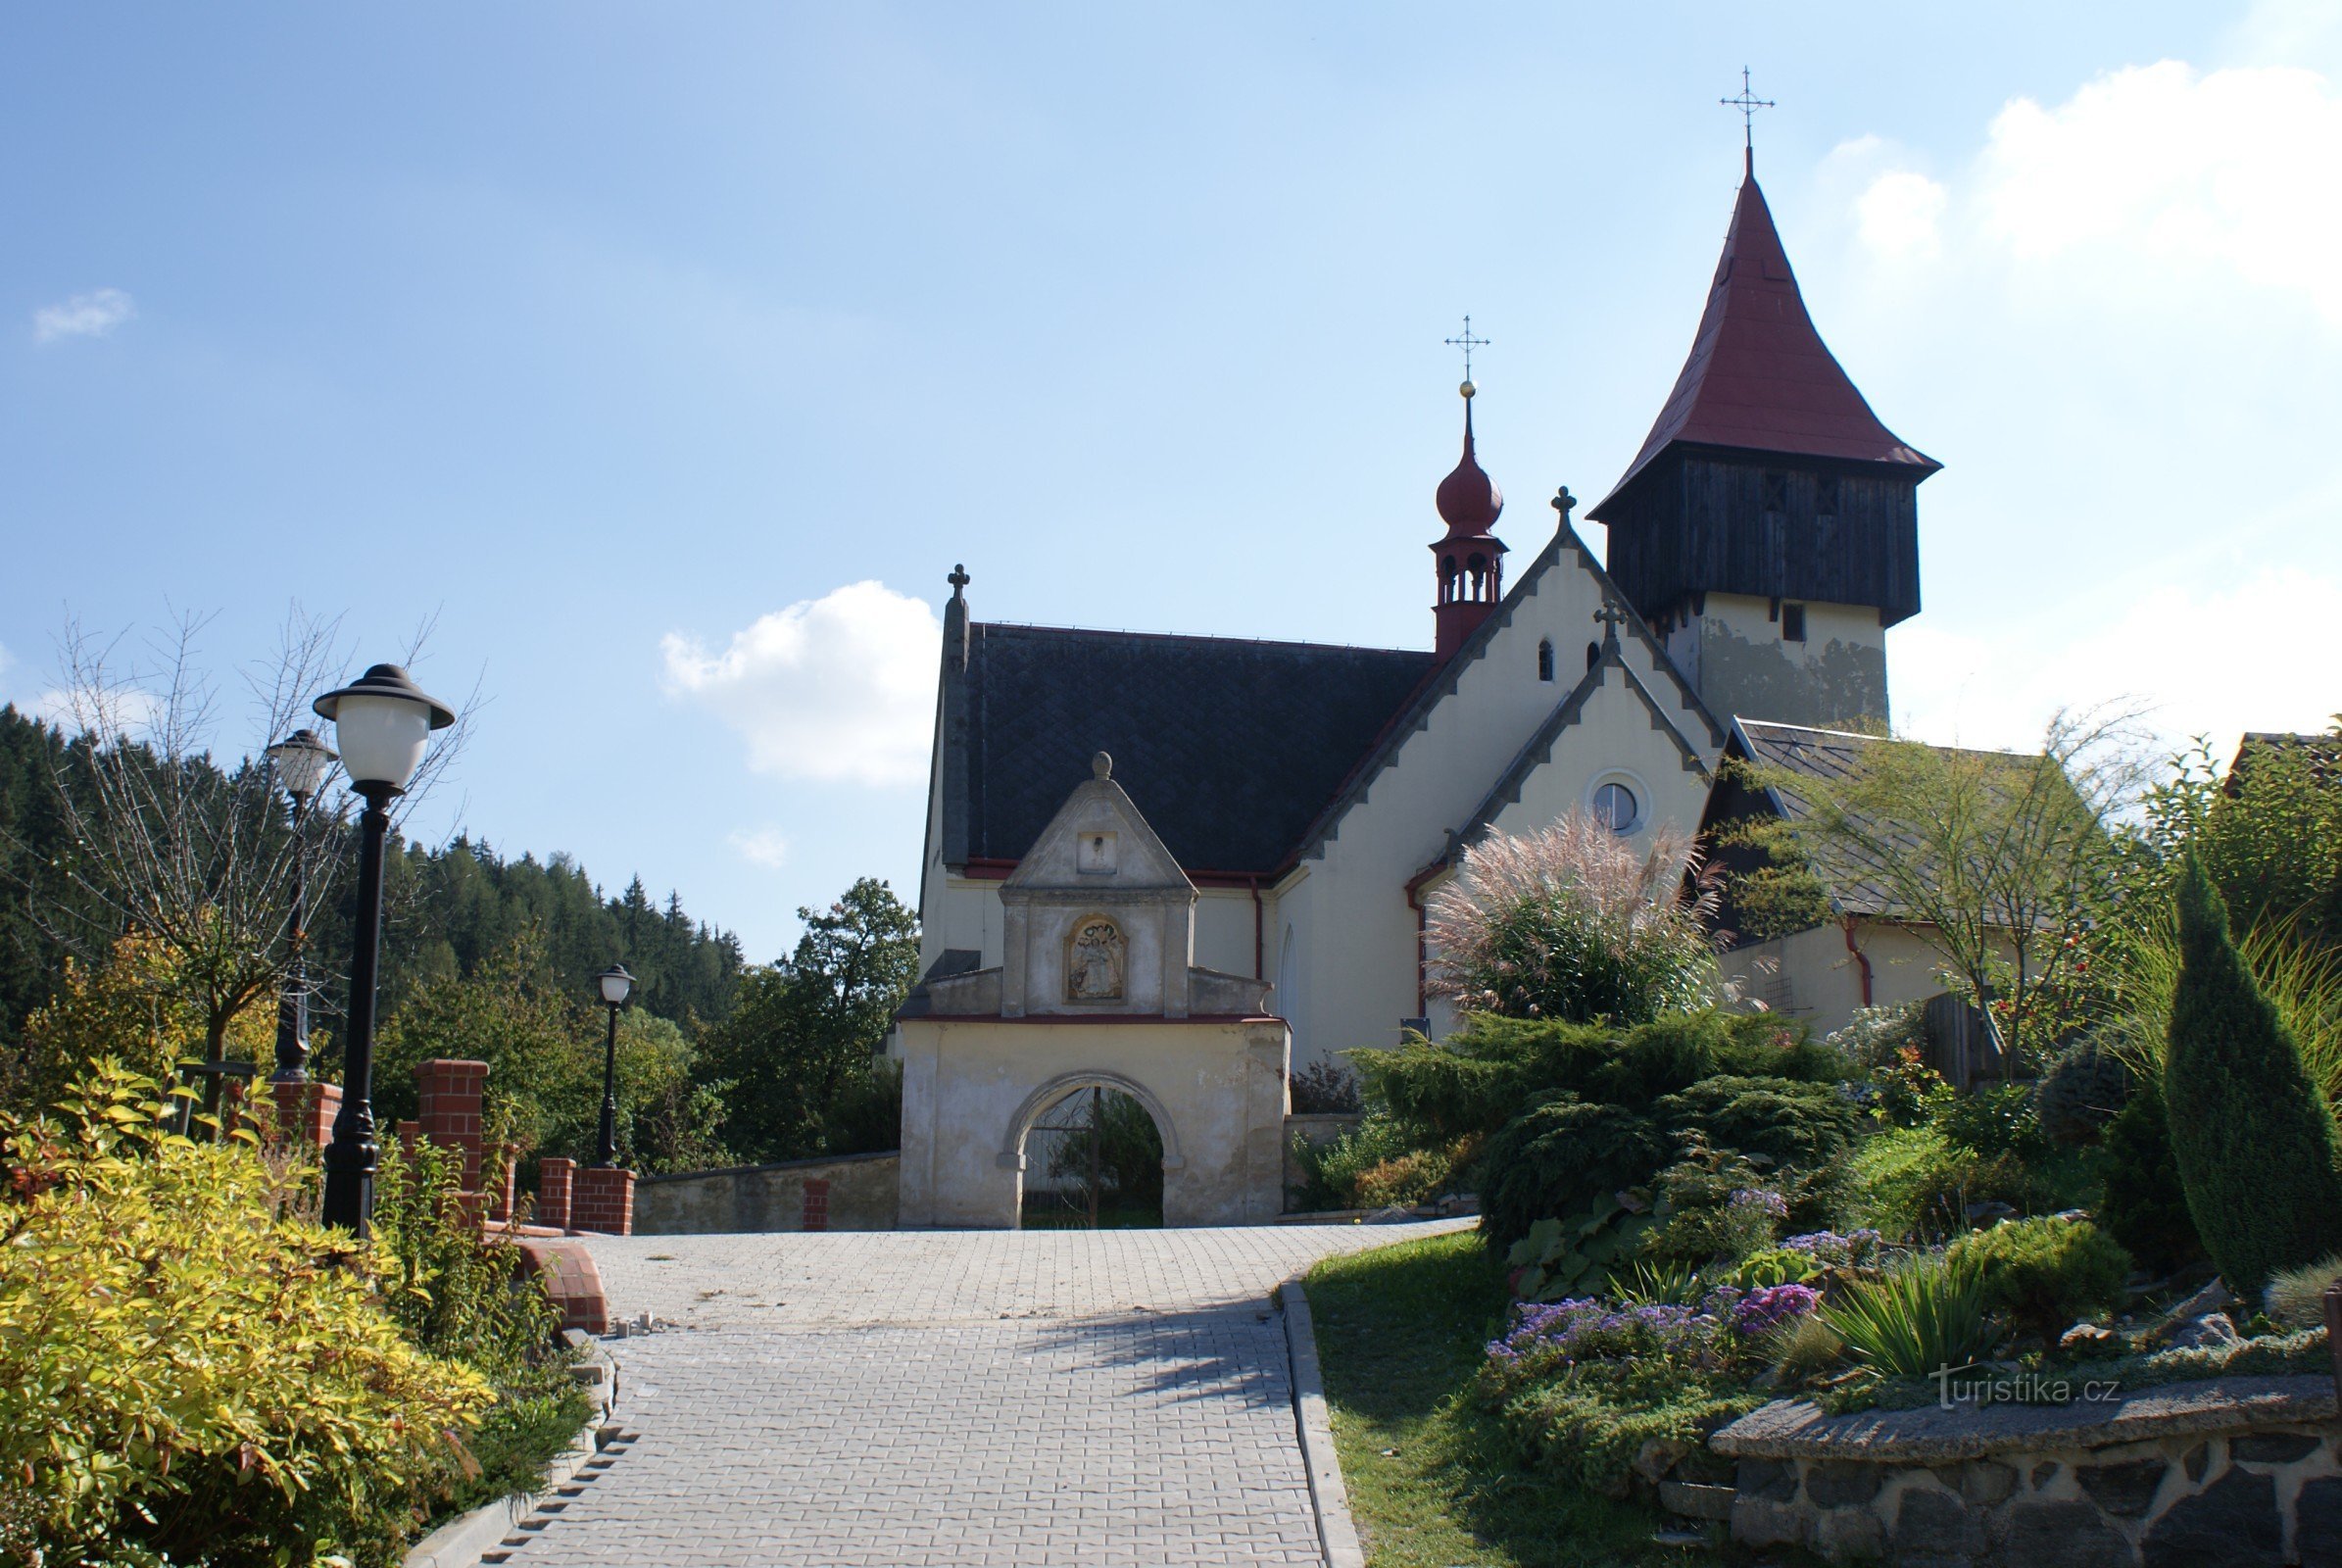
1433 1481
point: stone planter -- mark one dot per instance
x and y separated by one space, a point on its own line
2229 1471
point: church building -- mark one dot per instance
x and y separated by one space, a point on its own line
1760 543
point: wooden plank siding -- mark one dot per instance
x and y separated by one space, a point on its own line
1699 522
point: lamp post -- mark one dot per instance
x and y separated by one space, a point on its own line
616 984
383 721
301 760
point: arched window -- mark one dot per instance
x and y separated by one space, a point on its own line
1594 655
1545 661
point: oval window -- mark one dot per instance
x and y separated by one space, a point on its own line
1616 808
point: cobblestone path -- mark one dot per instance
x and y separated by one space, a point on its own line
905 1399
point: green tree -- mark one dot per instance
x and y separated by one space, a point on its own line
799 1049
2000 860
2254 1145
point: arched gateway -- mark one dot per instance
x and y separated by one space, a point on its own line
1094 989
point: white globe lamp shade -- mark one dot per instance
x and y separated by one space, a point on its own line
302 759
616 985
383 721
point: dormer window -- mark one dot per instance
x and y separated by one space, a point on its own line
1545 661
1792 623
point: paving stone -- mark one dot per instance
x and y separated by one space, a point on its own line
912 1400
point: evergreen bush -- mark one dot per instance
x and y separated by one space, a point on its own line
1808 1126
2257 1150
2144 1206
2084 1089
1562 1154
2045 1273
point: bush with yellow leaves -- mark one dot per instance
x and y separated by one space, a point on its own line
191 1374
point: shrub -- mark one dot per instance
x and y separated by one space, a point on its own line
1561 1154
2145 1207
185 1374
2255 1152
1808 1348
1575 922
2296 1296
1716 1203
1911 1320
2045 1273
2085 1088
1914 1184
1325 1088
1573 1254
1331 1170
1878 1037
1776 1265
1494 1067
1409 1178
1805 1125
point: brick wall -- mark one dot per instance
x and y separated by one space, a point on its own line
816 1215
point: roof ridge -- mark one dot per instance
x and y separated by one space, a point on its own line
1196 637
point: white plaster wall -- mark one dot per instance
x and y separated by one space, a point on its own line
1818 981
1358 984
1220 1087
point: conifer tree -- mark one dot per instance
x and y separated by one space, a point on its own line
2254 1139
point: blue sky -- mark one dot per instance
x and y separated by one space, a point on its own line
627 341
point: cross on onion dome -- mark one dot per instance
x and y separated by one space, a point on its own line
1467 343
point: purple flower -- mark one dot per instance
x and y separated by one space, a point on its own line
1763 1198
1763 1311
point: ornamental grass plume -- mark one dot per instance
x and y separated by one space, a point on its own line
1576 923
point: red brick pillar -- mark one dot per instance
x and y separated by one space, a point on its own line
409 1131
553 1192
450 1113
817 1209
304 1112
604 1201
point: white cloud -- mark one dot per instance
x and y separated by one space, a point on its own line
2203 659
2160 183
835 689
1900 214
764 847
91 314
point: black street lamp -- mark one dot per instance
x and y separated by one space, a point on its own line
383 721
301 760
616 984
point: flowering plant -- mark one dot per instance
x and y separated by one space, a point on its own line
1761 1311
1854 1249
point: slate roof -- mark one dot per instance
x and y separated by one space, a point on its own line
1852 877
1759 376
1231 748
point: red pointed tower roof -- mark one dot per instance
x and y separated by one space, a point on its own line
1759 376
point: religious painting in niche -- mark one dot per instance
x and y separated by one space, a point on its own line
1093 961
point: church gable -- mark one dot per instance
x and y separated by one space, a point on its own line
1544 639
1098 841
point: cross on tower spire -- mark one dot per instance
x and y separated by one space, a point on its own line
1748 103
1467 343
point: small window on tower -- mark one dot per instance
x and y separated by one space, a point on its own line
1792 623
1545 661
1776 488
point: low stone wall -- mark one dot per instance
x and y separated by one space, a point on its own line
851 1192
2190 1475
1313 1128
